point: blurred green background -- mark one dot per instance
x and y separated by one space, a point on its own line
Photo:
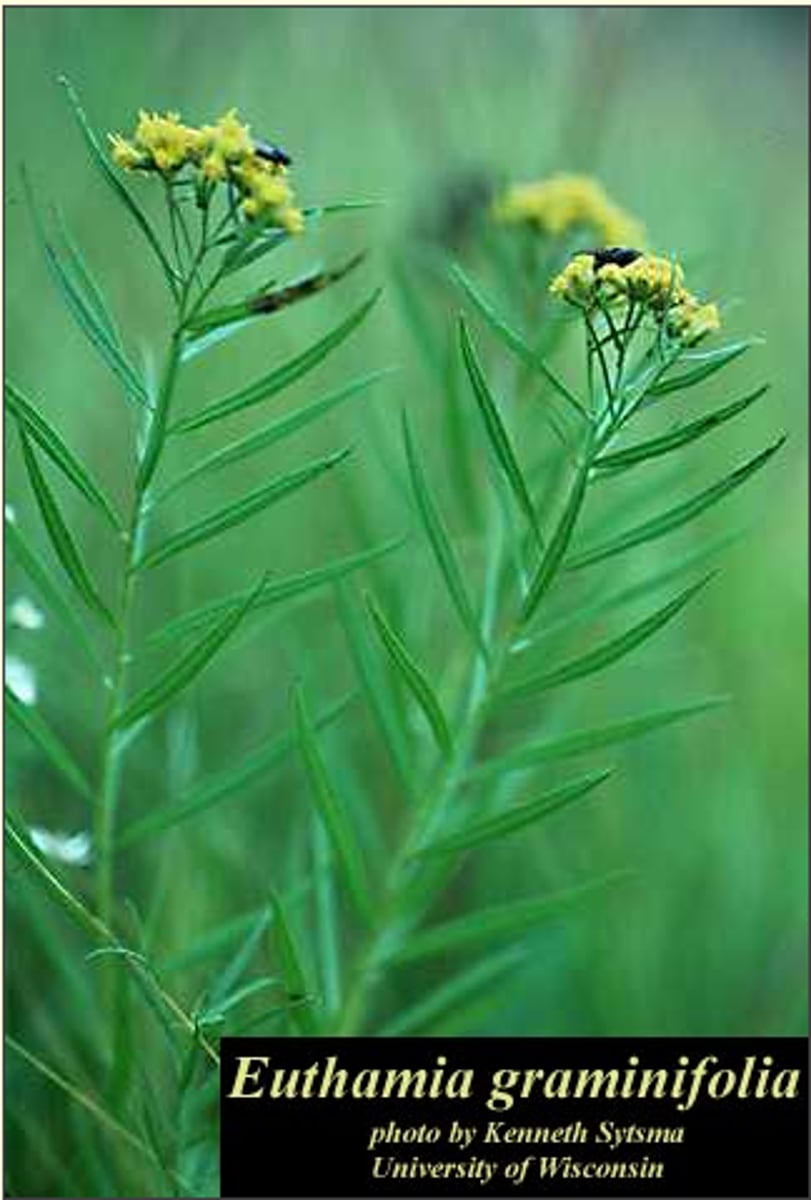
696 121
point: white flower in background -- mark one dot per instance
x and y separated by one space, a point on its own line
21 680
71 848
9 514
25 614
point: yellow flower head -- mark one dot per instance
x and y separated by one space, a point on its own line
656 285
691 320
576 282
266 194
563 203
223 145
167 143
219 153
655 282
125 154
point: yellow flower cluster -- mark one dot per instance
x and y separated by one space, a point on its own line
563 203
656 284
223 152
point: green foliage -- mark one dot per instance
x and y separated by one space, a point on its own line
402 849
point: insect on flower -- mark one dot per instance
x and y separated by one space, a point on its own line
270 153
618 256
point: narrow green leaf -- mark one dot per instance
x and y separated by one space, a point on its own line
102 161
192 348
61 539
605 654
84 311
336 823
328 917
558 543
50 442
414 678
295 977
674 439
29 720
227 979
96 929
673 518
379 697
315 212
514 341
496 432
274 432
499 922
105 1119
440 542
421 1016
50 594
585 740
290 588
707 365
581 614
87 282
185 670
280 377
240 510
216 1012
480 832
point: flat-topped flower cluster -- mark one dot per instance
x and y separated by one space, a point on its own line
565 203
222 153
652 283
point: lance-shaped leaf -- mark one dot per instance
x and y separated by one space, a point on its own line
50 442
514 341
61 538
382 701
60 758
413 677
607 653
271 301
51 594
223 982
241 510
274 592
86 1101
86 280
480 832
84 311
706 365
674 439
496 431
274 432
440 542
102 161
499 922
220 785
585 740
336 822
185 670
558 543
295 977
280 377
675 517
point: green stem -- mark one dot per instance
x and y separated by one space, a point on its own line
114 743
415 883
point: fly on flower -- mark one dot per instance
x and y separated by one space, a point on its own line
618 256
270 153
